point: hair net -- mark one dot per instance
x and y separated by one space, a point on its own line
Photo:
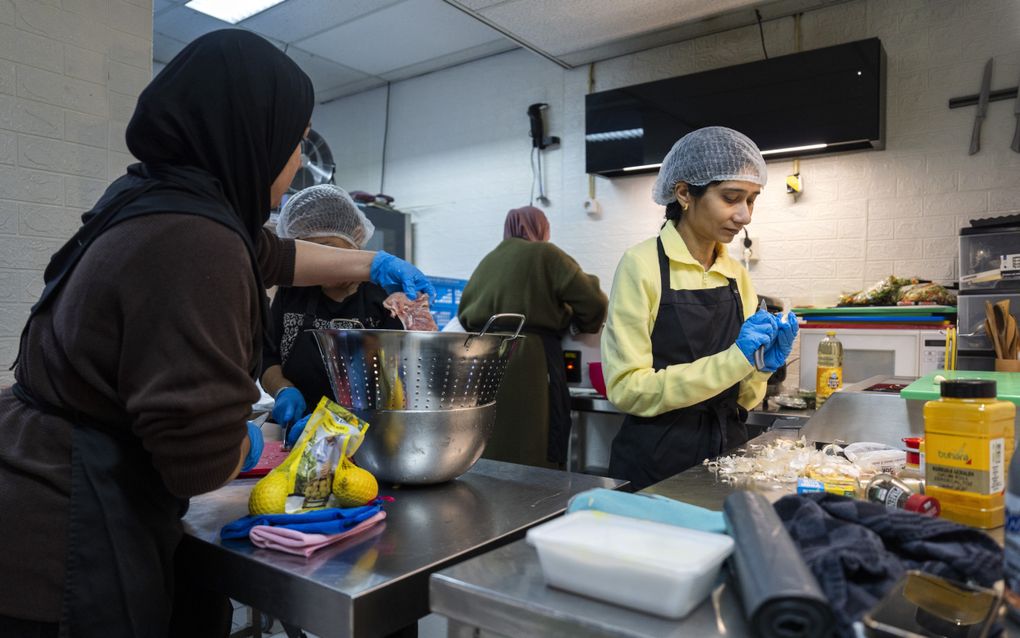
710 154
324 211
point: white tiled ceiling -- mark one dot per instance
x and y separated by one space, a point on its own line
401 35
576 32
348 46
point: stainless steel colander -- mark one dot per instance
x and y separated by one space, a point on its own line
429 397
408 370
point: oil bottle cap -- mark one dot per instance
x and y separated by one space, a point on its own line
927 505
969 388
830 333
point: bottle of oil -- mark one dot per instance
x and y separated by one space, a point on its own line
829 377
968 440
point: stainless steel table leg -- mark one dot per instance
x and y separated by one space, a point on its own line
292 631
457 629
256 623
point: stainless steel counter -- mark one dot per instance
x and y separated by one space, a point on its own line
503 592
377 582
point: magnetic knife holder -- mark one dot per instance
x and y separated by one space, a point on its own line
993 96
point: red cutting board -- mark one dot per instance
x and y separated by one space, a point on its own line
272 455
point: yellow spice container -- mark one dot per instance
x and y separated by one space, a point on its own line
968 440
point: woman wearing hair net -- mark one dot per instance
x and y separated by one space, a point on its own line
293 371
683 327
527 274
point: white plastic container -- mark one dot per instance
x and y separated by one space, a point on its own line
657 568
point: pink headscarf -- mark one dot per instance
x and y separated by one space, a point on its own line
526 222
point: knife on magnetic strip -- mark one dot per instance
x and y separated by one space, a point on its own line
982 108
1016 131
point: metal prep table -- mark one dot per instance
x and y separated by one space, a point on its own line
377 582
503 594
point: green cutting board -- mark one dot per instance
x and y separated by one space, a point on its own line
878 310
925 388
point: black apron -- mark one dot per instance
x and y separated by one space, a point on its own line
123 529
559 397
689 325
303 365
123 524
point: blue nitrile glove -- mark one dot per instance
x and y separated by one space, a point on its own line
254 447
330 520
395 275
650 507
289 407
759 330
294 433
776 354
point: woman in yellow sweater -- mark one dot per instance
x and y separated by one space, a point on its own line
682 332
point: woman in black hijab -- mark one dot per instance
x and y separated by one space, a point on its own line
134 377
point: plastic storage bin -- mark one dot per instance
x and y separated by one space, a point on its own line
448 292
990 260
652 567
971 313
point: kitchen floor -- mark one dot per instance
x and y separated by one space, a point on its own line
431 626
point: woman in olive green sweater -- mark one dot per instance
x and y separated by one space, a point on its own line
526 274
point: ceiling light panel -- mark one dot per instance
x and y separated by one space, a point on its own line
232 11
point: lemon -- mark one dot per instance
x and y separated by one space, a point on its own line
354 486
269 496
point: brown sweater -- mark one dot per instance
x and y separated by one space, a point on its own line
153 328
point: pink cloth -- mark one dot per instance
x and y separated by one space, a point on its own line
295 542
528 223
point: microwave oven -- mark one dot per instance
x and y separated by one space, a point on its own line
869 352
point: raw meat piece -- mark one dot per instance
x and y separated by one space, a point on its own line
414 314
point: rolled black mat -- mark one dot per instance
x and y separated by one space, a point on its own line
781 597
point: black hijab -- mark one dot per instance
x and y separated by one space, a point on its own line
213 130
232 105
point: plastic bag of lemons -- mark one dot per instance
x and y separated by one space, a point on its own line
318 473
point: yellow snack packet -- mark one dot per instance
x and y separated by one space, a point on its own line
304 481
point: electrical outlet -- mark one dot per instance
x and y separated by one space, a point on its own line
736 248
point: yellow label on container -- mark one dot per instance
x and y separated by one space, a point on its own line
965 464
828 380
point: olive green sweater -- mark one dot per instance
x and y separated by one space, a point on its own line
547 286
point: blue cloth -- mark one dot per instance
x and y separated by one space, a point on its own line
254 447
395 275
758 331
289 406
858 550
776 354
650 507
294 433
332 520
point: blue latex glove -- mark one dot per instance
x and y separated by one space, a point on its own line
294 433
776 354
395 275
289 407
254 447
759 330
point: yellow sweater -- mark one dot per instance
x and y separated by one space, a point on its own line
633 385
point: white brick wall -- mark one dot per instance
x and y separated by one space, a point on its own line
457 151
69 75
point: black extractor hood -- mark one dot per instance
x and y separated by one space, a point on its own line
829 100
